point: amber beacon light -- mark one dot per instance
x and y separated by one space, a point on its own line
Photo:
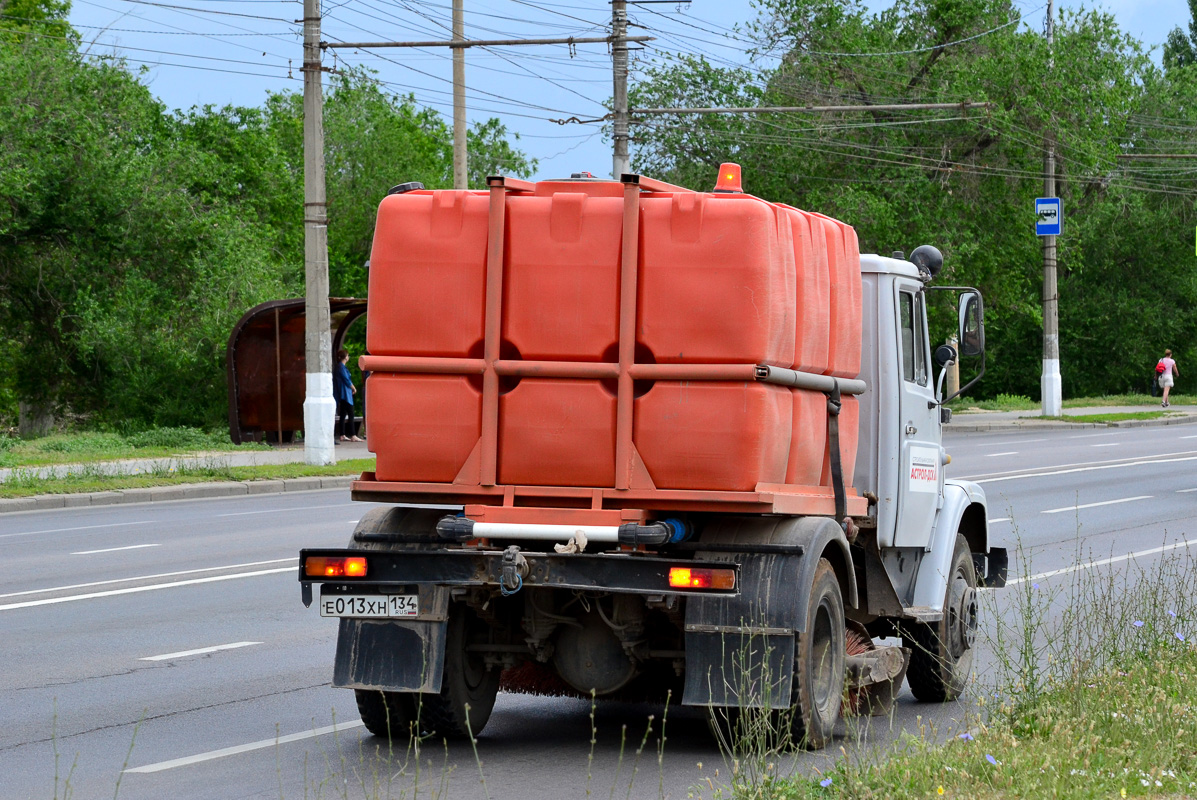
702 578
729 179
335 567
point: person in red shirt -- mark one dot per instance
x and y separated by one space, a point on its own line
1167 374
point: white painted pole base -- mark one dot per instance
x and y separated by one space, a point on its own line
319 420
1051 387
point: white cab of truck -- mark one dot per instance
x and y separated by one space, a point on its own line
901 459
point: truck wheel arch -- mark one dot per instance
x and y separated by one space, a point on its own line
963 513
838 554
974 528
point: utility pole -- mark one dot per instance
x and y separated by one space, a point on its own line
460 179
619 72
1049 384
319 408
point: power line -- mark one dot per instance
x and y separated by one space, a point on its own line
130 30
207 11
149 50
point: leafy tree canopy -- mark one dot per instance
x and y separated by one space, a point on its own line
133 238
965 180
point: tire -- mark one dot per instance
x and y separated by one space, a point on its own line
387 714
390 528
468 688
819 654
941 658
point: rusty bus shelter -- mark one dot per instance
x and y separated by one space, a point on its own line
266 367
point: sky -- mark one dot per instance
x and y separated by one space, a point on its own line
219 52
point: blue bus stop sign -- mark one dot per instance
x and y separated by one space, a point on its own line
1049 216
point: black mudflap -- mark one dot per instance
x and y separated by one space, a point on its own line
739 668
390 656
406 655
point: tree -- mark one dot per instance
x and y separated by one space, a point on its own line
132 239
1180 49
962 181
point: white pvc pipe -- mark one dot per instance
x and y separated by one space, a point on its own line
555 533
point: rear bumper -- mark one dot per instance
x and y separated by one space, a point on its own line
608 572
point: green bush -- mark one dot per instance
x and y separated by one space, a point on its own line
181 438
82 443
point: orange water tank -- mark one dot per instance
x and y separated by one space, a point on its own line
561 279
714 286
715 436
808 442
843 258
422 427
557 432
428 274
813 292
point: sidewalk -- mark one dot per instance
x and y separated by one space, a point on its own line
979 421
287 454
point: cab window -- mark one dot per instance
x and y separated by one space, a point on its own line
914 348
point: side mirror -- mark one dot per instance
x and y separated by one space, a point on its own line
943 354
971 316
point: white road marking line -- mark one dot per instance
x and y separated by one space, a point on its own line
135 589
113 549
1118 464
999 519
1092 435
147 577
80 528
1095 505
973 443
1107 444
1007 453
280 510
245 748
1188 437
198 651
1185 491
1017 472
1103 562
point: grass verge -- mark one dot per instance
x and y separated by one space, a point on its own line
92 479
1129 733
1013 402
1094 695
67 448
1106 418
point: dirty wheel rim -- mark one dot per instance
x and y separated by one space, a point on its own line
824 688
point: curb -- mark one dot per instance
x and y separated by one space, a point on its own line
181 491
1057 425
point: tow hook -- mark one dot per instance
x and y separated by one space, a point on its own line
515 567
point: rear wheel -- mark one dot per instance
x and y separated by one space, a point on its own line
819 654
941 658
387 714
469 686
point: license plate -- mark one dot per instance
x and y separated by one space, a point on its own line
369 605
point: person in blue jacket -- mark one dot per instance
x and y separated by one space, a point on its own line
343 392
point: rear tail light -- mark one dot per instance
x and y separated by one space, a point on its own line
335 567
702 578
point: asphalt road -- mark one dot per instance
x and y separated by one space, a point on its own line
164 645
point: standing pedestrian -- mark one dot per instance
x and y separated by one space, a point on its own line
1166 369
343 392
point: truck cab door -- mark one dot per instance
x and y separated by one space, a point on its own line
920 478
